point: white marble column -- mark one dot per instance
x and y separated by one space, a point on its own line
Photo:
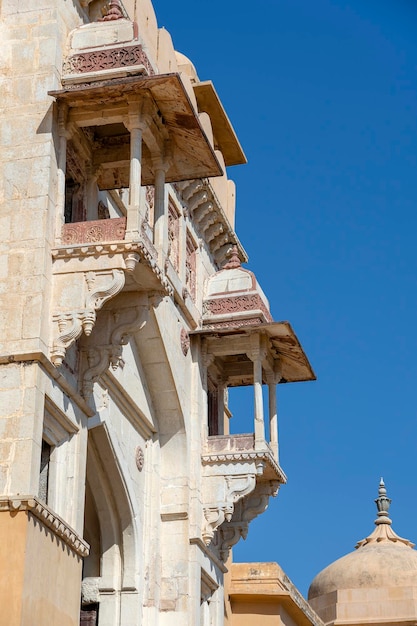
135 211
256 355
133 225
273 415
160 227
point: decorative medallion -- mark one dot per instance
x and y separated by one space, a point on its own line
185 341
140 458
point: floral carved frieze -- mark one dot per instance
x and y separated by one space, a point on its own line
106 59
94 231
235 304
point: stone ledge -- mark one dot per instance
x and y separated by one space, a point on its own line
51 520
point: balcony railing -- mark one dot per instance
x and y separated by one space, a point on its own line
94 231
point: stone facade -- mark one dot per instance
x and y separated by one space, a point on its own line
116 350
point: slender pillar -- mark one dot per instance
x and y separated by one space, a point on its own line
92 193
273 416
259 407
221 386
134 209
62 166
256 355
160 227
206 360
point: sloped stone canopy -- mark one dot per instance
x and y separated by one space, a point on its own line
102 109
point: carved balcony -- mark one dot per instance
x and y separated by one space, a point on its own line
93 264
239 476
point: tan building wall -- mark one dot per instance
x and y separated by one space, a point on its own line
40 571
262 594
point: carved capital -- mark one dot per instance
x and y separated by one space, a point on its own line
70 327
214 517
258 350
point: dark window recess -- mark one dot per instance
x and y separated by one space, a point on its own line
213 410
74 202
89 615
44 471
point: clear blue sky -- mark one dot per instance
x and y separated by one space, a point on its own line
323 95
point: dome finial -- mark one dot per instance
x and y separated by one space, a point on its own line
382 504
233 259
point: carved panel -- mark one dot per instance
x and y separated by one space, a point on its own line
94 231
173 235
109 58
236 304
191 267
139 458
185 341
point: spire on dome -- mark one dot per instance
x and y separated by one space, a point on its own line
383 532
382 504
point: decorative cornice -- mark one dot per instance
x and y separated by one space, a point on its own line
48 518
257 457
233 324
209 218
145 249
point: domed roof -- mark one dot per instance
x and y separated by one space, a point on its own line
233 296
382 561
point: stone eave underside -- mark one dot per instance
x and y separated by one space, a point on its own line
284 346
170 110
48 518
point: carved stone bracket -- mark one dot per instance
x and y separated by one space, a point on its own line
104 349
236 527
100 287
229 535
229 490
